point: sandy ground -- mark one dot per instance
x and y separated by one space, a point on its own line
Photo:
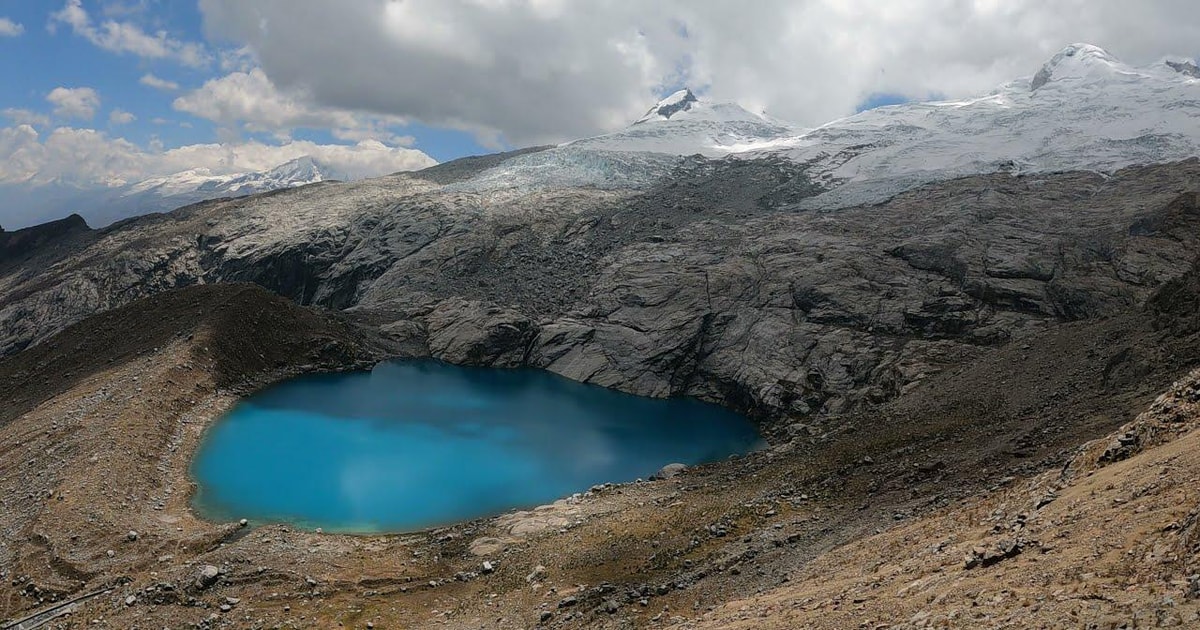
1093 546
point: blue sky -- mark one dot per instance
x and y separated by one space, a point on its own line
48 54
881 100
37 61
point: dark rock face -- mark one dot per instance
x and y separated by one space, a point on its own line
471 333
681 105
710 284
1185 67
16 245
1041 78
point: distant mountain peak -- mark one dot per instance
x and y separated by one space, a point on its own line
680 101
1185 67
1075 60
304 169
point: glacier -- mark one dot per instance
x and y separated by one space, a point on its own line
1082 110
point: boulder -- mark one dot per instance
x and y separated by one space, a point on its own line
207 576
670 471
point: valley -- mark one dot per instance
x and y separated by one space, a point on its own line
968 333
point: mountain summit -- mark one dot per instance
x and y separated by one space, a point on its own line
305 170
683 124
1076 61
680 101
1084 109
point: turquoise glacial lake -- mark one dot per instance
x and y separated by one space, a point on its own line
417 444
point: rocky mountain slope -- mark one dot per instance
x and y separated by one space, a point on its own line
700 286
964 502
1108 542
722 278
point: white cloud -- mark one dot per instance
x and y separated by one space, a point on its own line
21 116
236 59
158 83
250 97
18 147
120 117
251 100
545 70
89 157
534 70
74 102
126 37
9 28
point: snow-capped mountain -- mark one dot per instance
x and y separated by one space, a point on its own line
101 207
682 124
679 125
1083 109
159 194
201 181
680 101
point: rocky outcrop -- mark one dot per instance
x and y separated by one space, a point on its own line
473 333
712 283
19 244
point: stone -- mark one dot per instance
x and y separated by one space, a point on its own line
207 576
489 546
243 523
545 616
985 557
131 536
670 471
567 602
487 567
526 523
131 600
537 575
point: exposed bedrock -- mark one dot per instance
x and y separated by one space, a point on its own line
709 284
